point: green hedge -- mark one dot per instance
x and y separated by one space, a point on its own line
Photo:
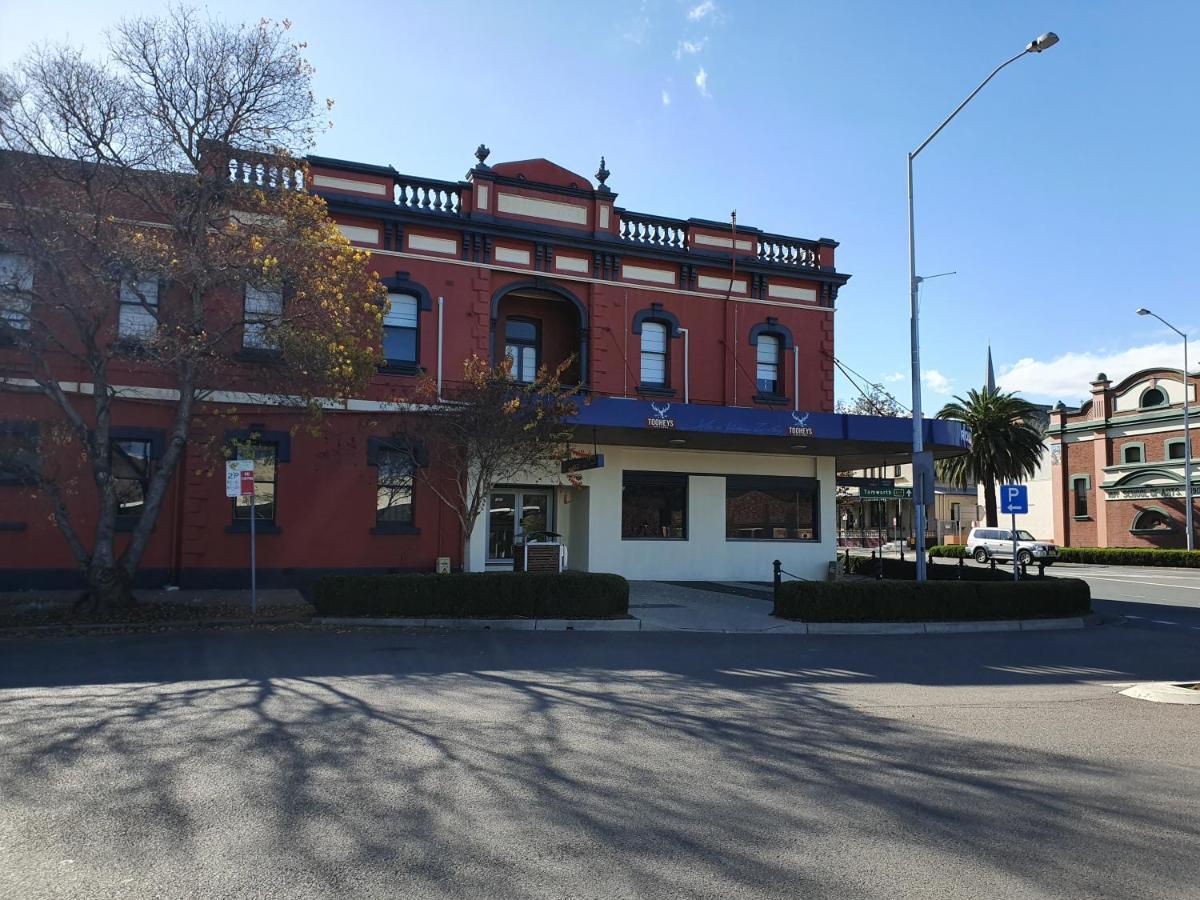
949 551
488 595
907 570
1129 556
930 601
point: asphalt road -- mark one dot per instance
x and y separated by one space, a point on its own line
302 763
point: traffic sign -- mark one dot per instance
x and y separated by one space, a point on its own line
885 493
1014 498
235 485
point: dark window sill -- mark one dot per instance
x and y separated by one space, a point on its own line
401 368
1082 518
259 355
771 399
12 526
652 538
1163 531
733 540
395 528
242 526
655 390
126 525
17 481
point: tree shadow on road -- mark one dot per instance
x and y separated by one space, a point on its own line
487 777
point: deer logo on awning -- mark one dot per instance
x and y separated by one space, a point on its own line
800 428
660 419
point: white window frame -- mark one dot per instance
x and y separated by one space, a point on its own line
16 290
137 318
654 351
262 307
403 318
776 364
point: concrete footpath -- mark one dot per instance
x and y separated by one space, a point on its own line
713 607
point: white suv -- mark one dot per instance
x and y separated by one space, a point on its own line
997 543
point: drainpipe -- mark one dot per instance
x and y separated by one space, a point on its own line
686 392
796 375
441 332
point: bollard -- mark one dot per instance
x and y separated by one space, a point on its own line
961 566
992 562
778 576
902 551
1024 570
847 561
878 565
1041 568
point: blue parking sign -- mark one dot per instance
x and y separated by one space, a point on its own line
1014 498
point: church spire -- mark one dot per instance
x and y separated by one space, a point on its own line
991 374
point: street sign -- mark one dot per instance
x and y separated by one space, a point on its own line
234 483
902 493
885 493
247 482
1014 498
854 481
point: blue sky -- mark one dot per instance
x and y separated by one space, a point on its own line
1065 196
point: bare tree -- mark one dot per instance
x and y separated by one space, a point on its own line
139 248
487 429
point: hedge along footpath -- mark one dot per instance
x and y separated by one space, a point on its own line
931 601
1130 556
907 569
474 595
948 551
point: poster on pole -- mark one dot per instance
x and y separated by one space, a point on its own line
236 485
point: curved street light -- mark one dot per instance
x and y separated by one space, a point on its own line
1187 434
922 468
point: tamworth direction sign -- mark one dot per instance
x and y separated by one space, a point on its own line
876 488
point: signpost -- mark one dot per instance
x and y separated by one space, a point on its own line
583 463
1014 498
239 482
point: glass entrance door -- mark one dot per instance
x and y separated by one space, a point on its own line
512 515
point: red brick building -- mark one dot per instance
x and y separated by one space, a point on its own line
1118 463
705 350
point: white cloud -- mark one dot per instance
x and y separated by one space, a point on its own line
701 10
702 83
689 48
936 381
1068 377
894 377
666 98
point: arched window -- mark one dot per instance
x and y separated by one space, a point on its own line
654 354
522 346
1153 397
769 378
400 330
1148 520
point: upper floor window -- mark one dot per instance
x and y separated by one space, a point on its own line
1154 397
768 376
400 330
522 346
16 290
138 317
263 313
1131 453
654 354
19 460
131 475
1175 449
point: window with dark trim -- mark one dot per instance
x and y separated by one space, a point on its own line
768 376
770 508
16 290
266 467
1151 520
19 462
654 506
1131 453
655 360
1079 487
131 461
263 313
523 347
401 324
394 486
1153 397
1175 449
138 314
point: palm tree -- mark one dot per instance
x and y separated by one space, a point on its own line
1006 442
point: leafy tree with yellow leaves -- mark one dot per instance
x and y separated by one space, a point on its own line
156 232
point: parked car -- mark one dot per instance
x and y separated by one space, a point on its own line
997 543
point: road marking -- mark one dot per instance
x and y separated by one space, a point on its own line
1186 587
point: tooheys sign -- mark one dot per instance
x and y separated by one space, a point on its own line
660 419
799 426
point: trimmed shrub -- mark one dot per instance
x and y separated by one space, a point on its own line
1130 556
907 570
930 601
948 551
467 595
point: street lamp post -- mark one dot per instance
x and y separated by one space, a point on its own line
921 472
1187 434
